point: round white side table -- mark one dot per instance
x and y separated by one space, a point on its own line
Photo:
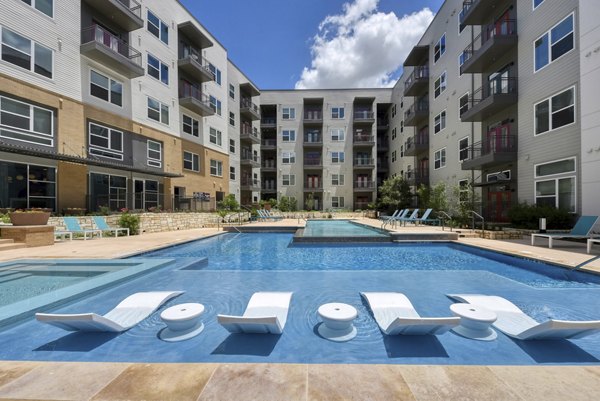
183 322
337 321
475 322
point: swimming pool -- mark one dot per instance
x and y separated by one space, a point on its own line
341 229
222 273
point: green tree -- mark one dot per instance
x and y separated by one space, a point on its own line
287 204
435 197
394 193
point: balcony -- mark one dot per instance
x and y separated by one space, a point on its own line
417 144
364 116
417 113
417 82
383 145
418 56
383 124
268 166
313 186
363 139
196 66
364 163
417 177
493 42
478 12
490 99
127 14
268 144
249 134
313 140
382 167
495 150
364 186
250 184
249 109
313 163
249 159
105 48
191 98
361 205
269 187
313 117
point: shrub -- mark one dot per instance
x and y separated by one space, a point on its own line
130 221
527 216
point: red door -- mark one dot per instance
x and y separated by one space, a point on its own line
498 140
498 205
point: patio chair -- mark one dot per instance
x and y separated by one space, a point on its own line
412 217
582 230
395 314
423 219
131 311
513 322
100 222
266 313
396 212
62 235
73 227
396 219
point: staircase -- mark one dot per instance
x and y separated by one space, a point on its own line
9 244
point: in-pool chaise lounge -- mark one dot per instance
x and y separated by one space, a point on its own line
124 316
395 314
513 322
266 313
582 229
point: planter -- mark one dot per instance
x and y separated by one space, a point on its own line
74 211
29 219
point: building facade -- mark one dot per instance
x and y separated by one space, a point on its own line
134 104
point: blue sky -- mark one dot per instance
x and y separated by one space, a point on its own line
271 40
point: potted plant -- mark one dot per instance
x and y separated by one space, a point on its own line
33 217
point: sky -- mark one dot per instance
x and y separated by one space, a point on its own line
307 44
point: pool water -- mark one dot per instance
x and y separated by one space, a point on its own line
223 272
340 228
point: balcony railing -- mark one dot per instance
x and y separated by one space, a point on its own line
97 34
313 162
313 186
416 112
269 186
364 162
246 103
197 61
249 157
493 41
364 185
492 97
313 116
269 143
364 115
269 163
188 90
313 138
417 176
495 150
268 121
419 77
364 138
250 182
250 132
416 143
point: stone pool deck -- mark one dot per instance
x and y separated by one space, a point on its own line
124 381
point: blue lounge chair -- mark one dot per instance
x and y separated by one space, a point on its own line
396 212
398 218
102 225
423 219
74 228
582 230
412 217
268 216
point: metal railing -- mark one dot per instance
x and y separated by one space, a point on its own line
422 138
364 184
269 163
133 6
492 145
188 90
475 214
313 186
248 130
418 175
364 161
363 115
466 6
251 182
420 106
313 137
496 86
268 121
246 103
313 115
196 56
364 137
419 73
96 33
443 216
246 156
269 142
313 162
504 28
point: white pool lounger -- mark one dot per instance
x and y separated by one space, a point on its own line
131 311
395 314
513 322
266 313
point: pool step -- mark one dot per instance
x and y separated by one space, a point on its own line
9 244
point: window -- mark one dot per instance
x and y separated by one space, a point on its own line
560 190
554 44
394 158
27 54
401 150
337 134
498 176
106 88
337 179
462 58
154 154
440 85
216 168
393 111
463 191
463 104
288 113
25 122
461 27
35 186
191 161
288 157
337 157
337 112
216 72
288 180
105 142
439 122
215 104
158 70
536 3
402 126
439 159
231 91
337 201
232 146
393 133
158 111
190 126
555 168
44 6
439 48
215 136
555 112
232 119
288 136
232 173
158 28
463 149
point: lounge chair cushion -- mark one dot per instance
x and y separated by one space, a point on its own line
266 313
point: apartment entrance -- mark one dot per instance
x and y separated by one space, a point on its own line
498 139
498 203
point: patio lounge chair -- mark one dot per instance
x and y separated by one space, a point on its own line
513 322
396 212
398 217
268 215
582 229
100 222
266 313
63 234
395 314
73 226
412 217
423 219
124 316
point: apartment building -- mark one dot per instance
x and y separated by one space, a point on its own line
491 95
322 147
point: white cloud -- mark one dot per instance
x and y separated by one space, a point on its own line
362 47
